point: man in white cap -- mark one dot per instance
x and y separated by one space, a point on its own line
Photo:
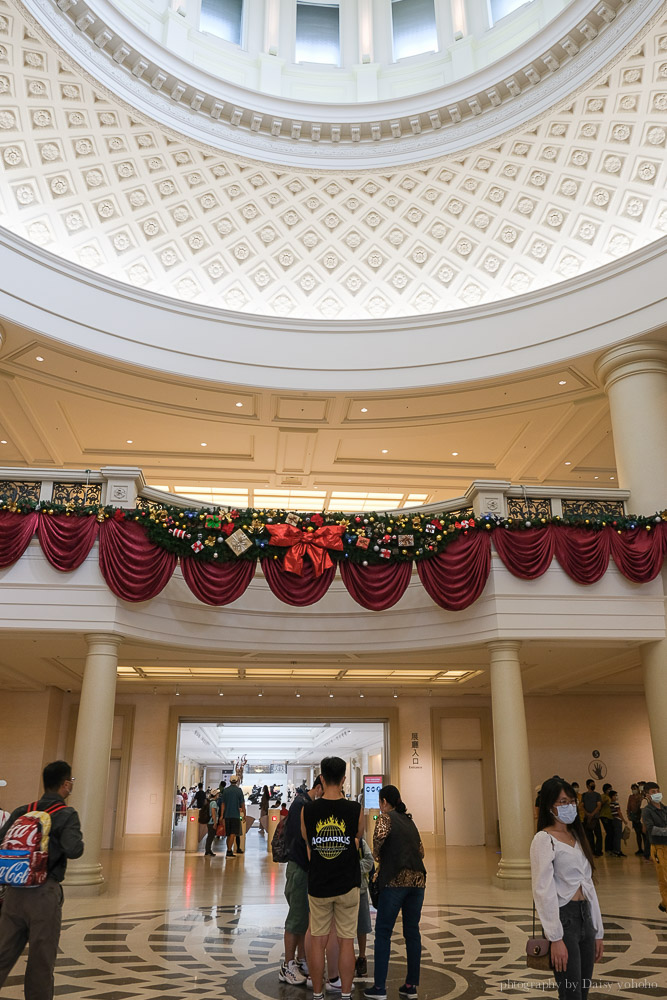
231 805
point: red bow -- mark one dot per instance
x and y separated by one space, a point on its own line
315 543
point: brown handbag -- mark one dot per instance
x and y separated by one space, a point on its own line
538 950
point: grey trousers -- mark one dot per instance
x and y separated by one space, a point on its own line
32 916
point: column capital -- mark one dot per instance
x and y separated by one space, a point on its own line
504 646
103 638
635 358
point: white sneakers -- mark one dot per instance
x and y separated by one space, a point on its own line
292 974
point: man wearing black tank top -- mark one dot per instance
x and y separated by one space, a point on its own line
332 827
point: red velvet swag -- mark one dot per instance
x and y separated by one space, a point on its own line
134 568
217 583
376 587
299 591
66 541
16 530
455 578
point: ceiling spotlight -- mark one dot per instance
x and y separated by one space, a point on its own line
260 694
3 442
297 694
331 694
568 463
361 694
455 453
129 441
385 451
177 693
395 693
364 409
221 693
238 404
596 477
39 358
562 382
203 444
612 478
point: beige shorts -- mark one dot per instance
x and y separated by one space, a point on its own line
343 909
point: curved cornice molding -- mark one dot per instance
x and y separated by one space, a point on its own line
59 300
569 52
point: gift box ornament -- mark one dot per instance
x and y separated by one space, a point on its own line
405 541
385 553
239 542
430 529
292 518
213 521
197 546
363 542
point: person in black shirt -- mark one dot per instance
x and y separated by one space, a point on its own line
199 799
332 827
32 915
296 887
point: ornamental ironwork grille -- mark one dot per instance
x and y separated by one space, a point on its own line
593 508
77 494
18 492
529 507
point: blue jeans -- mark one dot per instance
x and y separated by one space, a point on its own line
579 939
408 901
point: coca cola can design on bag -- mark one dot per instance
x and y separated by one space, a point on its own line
24 851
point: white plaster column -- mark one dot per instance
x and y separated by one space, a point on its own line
510 741
634 377
92 750
654 665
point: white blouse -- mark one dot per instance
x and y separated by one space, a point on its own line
558 870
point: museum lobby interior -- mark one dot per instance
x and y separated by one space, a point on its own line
333 419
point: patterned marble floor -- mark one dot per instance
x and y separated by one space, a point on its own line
184 947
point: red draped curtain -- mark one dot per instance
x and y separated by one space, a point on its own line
218 583
136 569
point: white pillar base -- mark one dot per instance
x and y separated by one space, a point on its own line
513 874
81 874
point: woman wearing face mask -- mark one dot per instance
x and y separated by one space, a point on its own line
654 819
565 899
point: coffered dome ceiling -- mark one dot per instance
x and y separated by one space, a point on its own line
103 185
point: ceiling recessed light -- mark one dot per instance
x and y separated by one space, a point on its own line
596 477
297 694
221 694
568 463
39 357
361 694
260 694
239 404
129 441
385 451
395 693
203 444
3 442
455 453
364 409
612 478
331 694
562 382
177 693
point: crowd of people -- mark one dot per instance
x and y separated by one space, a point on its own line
327 888
562 856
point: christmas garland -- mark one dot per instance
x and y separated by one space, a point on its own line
367 539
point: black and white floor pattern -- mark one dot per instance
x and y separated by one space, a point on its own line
469 952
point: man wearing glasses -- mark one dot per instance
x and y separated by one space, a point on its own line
32 914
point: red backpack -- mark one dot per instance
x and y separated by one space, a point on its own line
24 852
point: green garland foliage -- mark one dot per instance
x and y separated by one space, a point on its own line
368 539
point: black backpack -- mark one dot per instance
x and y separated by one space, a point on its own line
279 846
205 814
